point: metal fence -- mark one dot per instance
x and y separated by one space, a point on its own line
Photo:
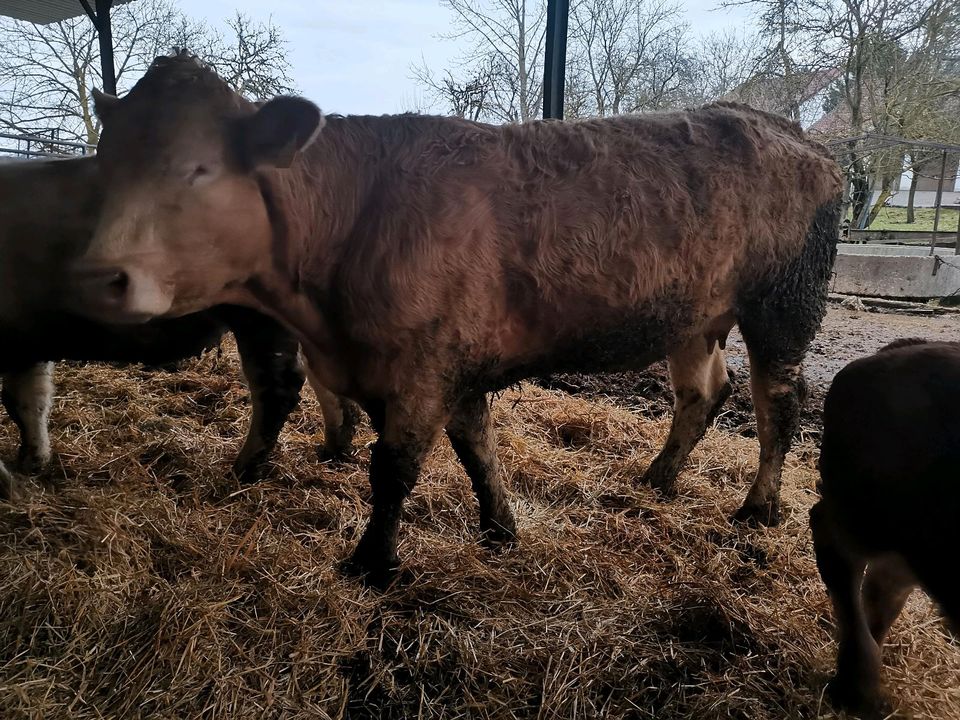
940 173
27 146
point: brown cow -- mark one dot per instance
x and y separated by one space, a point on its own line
427 261
890 469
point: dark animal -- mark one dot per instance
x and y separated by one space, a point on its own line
424 262
47 214
890 469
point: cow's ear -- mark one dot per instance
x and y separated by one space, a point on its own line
103 103
278 130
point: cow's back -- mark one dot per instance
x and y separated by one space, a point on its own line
527 238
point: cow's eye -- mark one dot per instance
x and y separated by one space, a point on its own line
198 173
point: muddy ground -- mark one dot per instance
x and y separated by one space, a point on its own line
845 336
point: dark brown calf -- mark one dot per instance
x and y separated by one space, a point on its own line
890 468
424 262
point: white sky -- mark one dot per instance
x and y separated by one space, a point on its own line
355 56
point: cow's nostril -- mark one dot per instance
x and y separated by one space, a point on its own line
118 284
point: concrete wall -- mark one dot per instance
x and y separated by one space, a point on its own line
895 271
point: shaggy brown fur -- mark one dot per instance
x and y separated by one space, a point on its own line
426 261
889 467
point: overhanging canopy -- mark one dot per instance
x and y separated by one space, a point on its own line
43 12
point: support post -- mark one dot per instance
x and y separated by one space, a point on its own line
554 65
100 17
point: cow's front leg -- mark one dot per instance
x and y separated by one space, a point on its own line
409 432
271 367
28 396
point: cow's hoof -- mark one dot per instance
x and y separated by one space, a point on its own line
376 574
32 463
335 454
250 473
662 479
765 515
856 700
495 535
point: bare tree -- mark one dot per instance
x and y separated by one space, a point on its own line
625 55
47 71
877 48
724 62
505 52
250 56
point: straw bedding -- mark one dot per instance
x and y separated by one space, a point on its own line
137 579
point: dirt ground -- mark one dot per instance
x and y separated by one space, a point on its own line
845 336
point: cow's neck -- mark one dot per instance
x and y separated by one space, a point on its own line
315 204
313 208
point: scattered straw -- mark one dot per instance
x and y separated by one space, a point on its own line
145 583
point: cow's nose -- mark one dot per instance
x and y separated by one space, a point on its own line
102 287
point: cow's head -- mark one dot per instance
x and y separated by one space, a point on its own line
184 220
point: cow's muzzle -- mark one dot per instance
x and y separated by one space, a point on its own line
103 293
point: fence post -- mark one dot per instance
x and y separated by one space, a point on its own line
936 212
956 246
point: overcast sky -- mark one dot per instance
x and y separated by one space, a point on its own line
355 57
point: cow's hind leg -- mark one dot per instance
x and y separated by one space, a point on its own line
471 434
779 391
701 384
410 429
269 356
28 396
886 586
778 319
340 419
856 684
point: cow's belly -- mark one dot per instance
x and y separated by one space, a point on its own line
630 342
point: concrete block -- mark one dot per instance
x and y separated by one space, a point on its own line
896 276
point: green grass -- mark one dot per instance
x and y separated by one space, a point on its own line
895 218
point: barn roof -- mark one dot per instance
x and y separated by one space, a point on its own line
44 12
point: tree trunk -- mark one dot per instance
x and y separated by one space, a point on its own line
914 180
885 193
860 194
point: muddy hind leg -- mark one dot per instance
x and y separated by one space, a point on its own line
28 396
471 434
778 319
270 360
340 419
409 430
856 684
779 391
701 385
